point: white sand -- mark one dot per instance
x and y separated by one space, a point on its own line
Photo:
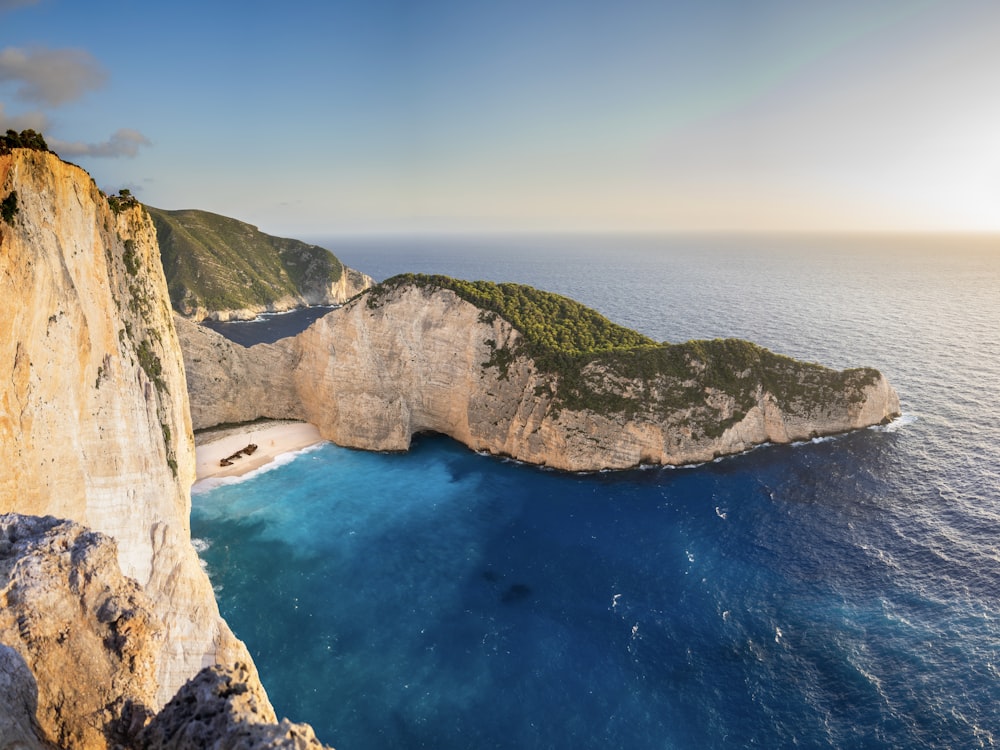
271 438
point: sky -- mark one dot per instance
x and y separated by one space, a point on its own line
356 116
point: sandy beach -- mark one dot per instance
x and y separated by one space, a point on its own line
271 438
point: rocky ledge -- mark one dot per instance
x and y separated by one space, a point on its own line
79 646
516 372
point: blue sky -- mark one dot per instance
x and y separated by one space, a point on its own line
310 118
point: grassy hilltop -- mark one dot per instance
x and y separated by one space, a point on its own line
215 263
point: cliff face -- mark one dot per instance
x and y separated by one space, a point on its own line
230 383
94 422
373 373
221 268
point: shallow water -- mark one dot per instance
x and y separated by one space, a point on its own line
839 593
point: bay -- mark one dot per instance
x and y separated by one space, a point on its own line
839 593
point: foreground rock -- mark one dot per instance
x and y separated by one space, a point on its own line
94 419
221 709
78 660
413 355
85 634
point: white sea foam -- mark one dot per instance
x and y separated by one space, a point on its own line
200 545
904 420
817 440
210 483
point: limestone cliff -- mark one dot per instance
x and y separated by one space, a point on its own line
415 357
94 420
230 383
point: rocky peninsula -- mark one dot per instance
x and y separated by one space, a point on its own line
562 388
221 268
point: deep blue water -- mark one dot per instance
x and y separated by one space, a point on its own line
268 327
836 594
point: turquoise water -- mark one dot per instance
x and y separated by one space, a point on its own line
839 593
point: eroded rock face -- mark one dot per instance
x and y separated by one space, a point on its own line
221 709
19 729
79 644
94 420
229 383
81 640
372 375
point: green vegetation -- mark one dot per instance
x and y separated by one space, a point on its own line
130 258
8 207
25 139
150 363
549 322
601 366
122 201
217 263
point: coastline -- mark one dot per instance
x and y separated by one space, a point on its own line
272 438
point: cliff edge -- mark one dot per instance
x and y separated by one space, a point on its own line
94 417
563 387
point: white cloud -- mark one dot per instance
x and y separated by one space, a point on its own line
29 120
50 76
122 143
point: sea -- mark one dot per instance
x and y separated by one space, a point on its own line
838 593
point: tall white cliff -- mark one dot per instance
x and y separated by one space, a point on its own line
94 418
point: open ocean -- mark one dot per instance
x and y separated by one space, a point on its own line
842 593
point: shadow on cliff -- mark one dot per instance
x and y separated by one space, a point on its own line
19 704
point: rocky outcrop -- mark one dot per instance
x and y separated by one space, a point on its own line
94 420
78 664
417 358
86 640
220 708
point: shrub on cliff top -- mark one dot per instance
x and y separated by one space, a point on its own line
549 322
25 139
8 208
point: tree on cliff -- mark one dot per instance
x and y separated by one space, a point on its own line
25 139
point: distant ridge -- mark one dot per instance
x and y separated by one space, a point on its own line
222 268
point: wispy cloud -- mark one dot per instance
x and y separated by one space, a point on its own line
27 120
123 143
50 76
